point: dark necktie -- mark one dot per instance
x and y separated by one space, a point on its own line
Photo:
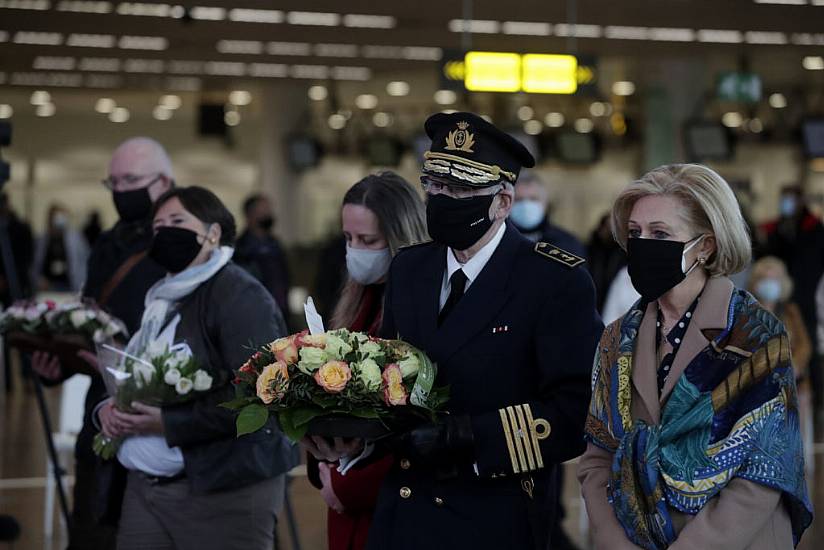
457 284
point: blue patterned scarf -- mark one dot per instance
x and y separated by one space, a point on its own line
733 413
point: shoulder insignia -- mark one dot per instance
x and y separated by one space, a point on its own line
558 254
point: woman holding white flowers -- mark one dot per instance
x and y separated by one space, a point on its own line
192 483
380 214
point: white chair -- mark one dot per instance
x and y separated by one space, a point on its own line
72 401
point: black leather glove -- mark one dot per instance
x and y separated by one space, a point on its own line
449 441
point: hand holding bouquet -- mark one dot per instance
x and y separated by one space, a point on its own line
161 375
338 383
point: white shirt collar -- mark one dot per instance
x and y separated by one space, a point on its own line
475 265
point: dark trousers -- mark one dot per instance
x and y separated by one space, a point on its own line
86 532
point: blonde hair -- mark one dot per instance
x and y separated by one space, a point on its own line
710 207
401 219
760 269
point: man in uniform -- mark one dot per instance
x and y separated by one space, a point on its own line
512 327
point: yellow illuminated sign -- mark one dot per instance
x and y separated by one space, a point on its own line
512 72
492 72
549 74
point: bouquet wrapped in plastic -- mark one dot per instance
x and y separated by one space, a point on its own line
60 329
160 375
337 383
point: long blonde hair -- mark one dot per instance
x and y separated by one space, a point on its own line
401 220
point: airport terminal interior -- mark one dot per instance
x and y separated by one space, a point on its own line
296 101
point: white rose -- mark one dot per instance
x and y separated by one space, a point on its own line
78 318
183 386
410 365
371 349
370 373
172 377
155 348
143 373
32 313
202 380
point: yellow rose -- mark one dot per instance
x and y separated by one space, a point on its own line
394 392
285 350
333 376
313 341
273 382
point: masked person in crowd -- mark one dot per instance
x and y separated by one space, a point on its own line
192 482
260 253
119 274
381 214
530 214
61 254
797 239
693 434
605 260
512 327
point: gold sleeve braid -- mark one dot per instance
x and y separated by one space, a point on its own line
523 434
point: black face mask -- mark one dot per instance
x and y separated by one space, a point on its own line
656 266
133 205
174 248
266 223
458 223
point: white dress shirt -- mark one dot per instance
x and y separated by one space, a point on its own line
472 268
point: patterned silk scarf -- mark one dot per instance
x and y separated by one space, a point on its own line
732 413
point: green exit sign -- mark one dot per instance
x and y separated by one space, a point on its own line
743 87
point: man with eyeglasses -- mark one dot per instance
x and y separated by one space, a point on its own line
512 327
119 275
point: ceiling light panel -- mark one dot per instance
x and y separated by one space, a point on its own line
268 70
36 5
247 47
100 64
143 43
144 9
289 48
84 7
369 21
336 50
38 38
477 26
526 28
242 15
313 18
47 63
91 40
203 13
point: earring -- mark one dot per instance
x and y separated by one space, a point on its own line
702 260
212 240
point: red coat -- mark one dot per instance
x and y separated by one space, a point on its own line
358 489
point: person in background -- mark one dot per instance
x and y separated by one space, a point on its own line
797 238
21 243
260 253
771 284
692 435
92 229
330 274
192 482
605 260
119 274
380 215
60 255
620 297
530 214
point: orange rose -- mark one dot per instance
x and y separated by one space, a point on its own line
333 376
285 350
394 392
273 382
312 341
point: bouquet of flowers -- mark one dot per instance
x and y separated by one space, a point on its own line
161 375
61 329
338 383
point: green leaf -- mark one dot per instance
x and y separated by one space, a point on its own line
294 433
251 418
304 415
238 403
365 413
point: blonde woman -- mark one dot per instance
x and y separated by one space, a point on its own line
693 430
380 214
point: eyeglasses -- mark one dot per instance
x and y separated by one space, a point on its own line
129 181
434 186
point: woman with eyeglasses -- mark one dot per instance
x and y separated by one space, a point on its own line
380 214
693 428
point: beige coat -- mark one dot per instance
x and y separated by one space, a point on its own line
744 515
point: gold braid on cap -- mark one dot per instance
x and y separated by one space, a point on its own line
491 172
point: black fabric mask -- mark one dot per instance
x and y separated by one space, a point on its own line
174 248
133 205
458 223
656 266
266 223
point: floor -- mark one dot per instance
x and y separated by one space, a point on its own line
23 471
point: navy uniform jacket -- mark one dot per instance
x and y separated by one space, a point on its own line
517 353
